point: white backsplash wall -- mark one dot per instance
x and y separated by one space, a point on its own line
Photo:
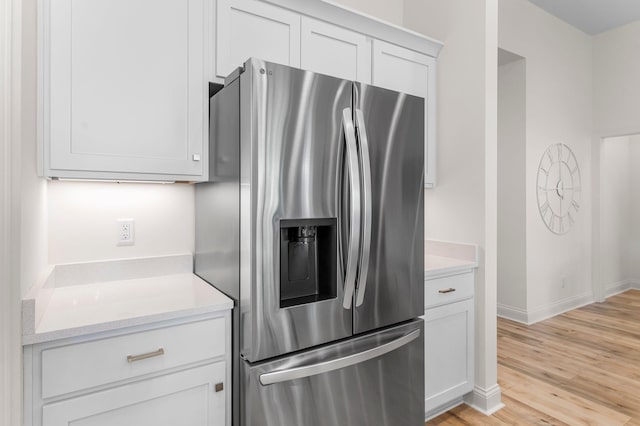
82 220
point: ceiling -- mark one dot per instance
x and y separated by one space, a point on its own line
593 16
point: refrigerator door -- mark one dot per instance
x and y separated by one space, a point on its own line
390 129
371 380
294 154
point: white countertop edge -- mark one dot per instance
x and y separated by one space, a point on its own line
35 303
454 250
450 270
124 323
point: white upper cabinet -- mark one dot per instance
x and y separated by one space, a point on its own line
408 71
336 51
125 91
251 28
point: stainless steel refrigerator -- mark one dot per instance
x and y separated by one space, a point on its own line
312 221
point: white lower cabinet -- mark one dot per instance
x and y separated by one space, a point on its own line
161 375
186 398
449 343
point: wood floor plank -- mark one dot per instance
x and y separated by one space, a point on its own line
579 368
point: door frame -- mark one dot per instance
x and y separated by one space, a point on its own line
598 287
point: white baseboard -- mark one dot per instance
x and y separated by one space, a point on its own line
512 313
543 312
442 409
634 284
617 288
559 307
486 401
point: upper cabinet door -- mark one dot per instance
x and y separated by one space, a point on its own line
125 89
335 51
250 28
407 71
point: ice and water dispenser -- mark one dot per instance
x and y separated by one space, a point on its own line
308 256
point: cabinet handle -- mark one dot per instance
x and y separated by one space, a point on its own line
219 387
446 290
134 358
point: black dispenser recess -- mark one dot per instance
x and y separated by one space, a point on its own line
308 257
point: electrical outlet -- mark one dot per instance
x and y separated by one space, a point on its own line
125 232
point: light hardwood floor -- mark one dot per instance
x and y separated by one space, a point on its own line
579 368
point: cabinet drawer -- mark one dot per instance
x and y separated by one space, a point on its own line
85 365
439 291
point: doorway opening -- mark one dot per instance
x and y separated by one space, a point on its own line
619 214
512 250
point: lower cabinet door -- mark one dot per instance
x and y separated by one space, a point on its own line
449 347
187 398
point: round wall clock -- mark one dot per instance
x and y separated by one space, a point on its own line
558 188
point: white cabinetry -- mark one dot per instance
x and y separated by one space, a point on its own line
152 375
251 28
187 399
124 88
408 71
332 50
449 341
325 38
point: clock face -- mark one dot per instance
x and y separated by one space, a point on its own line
558 188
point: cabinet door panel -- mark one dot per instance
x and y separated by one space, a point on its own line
448 333
127 86
406 71
335 51
248 28
186 398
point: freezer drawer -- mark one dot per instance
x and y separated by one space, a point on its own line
372 380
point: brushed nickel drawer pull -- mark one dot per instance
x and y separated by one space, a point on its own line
219 387
446 290
134 358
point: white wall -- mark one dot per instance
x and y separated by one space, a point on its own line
387 10
616 67
616 219
559 100
512 260
23 224
463 206
633 236
82 220
10 333
33 189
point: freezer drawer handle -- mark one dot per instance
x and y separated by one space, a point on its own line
446 290
354 216
134 358
336 364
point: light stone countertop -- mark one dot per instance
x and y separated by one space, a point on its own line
445 258
80 299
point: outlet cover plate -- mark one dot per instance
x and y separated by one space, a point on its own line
125 232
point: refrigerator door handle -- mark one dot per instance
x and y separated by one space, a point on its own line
336 364
354 215
366 202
